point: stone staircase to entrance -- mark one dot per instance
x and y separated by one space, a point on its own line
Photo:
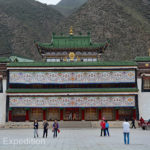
65 124
75 124
62 124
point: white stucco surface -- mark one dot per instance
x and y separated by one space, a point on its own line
144 102
3 104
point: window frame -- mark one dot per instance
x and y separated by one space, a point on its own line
143 84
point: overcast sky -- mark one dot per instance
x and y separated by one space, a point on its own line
49 1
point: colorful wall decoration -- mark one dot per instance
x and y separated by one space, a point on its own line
71 77
90 101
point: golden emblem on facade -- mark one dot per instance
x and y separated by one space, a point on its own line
146 65
71 56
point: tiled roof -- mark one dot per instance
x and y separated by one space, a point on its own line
71 64
73 90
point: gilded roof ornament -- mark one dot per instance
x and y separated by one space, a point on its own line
71 30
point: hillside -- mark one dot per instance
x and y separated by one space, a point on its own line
120 21
22 22
67 7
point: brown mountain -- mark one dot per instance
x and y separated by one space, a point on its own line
67 7
124 22
22 22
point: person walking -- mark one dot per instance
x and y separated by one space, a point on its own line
55 128
133 123
126 131
45 128
106 128
102 124
36 125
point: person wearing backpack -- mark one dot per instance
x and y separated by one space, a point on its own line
106 128
55 128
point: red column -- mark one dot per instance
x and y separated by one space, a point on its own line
61 114
117 114
44 114
83 112
27 115
134 114
100 114
10 115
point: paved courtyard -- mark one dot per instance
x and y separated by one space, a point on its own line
73 139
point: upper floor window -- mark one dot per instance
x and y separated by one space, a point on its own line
146 83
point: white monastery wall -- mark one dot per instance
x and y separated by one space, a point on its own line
144 102
3 104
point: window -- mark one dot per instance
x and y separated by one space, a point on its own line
146 83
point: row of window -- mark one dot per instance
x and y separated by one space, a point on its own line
68 60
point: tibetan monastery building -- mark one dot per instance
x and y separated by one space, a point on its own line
72 84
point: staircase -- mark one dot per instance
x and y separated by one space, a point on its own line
62 124
75 124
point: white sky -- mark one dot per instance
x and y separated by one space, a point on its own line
49 1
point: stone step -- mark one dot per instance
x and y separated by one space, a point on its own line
65 124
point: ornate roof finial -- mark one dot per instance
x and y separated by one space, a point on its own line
71 31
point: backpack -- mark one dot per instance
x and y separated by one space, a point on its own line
107 125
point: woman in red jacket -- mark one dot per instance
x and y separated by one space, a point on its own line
102 124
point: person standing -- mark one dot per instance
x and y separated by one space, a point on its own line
74 116
70 116
55 128
133 124
106 128
126 131
45 128
102 124
36 125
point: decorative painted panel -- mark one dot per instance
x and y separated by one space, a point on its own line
102 101
72 77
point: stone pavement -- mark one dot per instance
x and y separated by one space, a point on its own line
73 139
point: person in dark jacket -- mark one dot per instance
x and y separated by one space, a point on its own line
133 123
36 125
55 128
45 128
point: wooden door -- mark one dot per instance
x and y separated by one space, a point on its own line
108 113
18 114
91 114
36 114
53 114
125 113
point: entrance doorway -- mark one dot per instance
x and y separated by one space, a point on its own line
18 114
72 114
36 114
108 113
125 113
91 114
53 114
